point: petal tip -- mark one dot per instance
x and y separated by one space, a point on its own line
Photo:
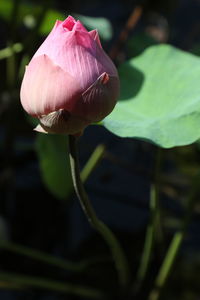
69 23
40 129
95 35
104 78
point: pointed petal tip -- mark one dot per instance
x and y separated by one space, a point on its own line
104 78
79 27
95 35
69 23
57 23
40 129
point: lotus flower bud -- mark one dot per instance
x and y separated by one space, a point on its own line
70 82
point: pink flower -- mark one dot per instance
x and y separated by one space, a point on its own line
70 82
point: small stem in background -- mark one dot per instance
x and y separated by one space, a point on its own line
156 186
148 244
4 285
174 247
13 20
92 162
9 51
152 228
167 265
50 259
25 281
32 37
115 248
11 69
130 24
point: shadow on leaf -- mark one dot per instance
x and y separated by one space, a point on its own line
131 80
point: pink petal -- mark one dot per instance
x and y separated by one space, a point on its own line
74 52
47 88
77 53
79 27
58 22
99 99
97 58
53 42
95 35
69 23
82 61
105 62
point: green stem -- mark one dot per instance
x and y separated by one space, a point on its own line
92 162
167 265
156 195
8 51
153 230
115 248
148 243
174 248
11 68
49 259
25 281
13 20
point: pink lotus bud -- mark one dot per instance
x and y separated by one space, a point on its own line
70 82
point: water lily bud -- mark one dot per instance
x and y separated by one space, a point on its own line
70 82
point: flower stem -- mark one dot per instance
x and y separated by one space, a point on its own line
115 248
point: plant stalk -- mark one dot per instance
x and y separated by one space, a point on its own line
118 255
20 281
175 246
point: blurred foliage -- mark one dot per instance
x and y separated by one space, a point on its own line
103 25
54 163
137 44
29 12
7 52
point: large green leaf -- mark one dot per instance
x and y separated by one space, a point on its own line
54 164
160 98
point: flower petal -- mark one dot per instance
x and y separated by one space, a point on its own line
46 88
77 53
54 42
85 60
40 129
99 99
79 27
61 122
74 52
98 59
58 22
95 35
69 23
